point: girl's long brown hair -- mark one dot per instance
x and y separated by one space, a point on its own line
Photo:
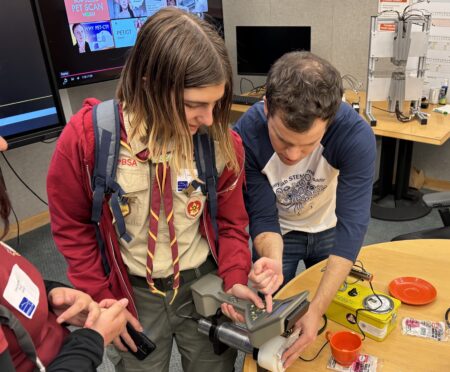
175 50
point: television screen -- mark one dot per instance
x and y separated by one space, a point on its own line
88 40
258 47
30 110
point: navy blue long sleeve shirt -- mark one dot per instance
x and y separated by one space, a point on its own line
330 187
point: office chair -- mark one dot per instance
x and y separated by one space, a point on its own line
439 200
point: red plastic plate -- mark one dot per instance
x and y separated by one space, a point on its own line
412 290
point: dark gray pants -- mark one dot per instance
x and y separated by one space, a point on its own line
162 326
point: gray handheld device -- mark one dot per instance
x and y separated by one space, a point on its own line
208 295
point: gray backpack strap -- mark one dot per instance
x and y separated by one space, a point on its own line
107 141
106 123
23 337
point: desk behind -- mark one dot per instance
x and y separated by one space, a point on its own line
435 132
427 259
393 199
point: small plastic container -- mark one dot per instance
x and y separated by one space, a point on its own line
443 93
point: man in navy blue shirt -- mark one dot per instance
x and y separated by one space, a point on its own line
310 161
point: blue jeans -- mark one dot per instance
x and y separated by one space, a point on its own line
309 247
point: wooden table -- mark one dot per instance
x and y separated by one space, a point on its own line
426 259
396 158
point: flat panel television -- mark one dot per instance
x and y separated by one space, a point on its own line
88 40
258 47
30 109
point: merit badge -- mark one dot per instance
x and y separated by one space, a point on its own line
193 208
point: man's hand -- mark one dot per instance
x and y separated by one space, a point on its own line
309 325
334 275
124 333
243 292
267 276
74 307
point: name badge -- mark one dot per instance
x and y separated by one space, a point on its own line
184 179
21 293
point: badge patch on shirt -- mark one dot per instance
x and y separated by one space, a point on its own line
181 185
184 178
21 293
193 208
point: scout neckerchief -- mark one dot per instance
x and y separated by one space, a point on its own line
162 189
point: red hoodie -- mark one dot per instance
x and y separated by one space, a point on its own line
70 204
47 335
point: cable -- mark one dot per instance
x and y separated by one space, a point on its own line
320 331
259 89
353 82
355 85
409 8
378 108
401 116
390 11
364 309
18 227
245 79
356 281
21 180
315 356
181 307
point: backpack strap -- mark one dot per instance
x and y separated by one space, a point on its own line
106 123
22 336
205 159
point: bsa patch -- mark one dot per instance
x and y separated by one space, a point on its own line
193 208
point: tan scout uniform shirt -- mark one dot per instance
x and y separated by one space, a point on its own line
136 179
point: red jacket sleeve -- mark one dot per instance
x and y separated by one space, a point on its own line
232 220
3 341
70 209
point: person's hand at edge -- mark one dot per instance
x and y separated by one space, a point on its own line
308 325
73 306
112 320
267 276
243 292
124 334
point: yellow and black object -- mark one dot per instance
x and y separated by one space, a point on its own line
374 312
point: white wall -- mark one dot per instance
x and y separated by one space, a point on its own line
340 33
339 29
